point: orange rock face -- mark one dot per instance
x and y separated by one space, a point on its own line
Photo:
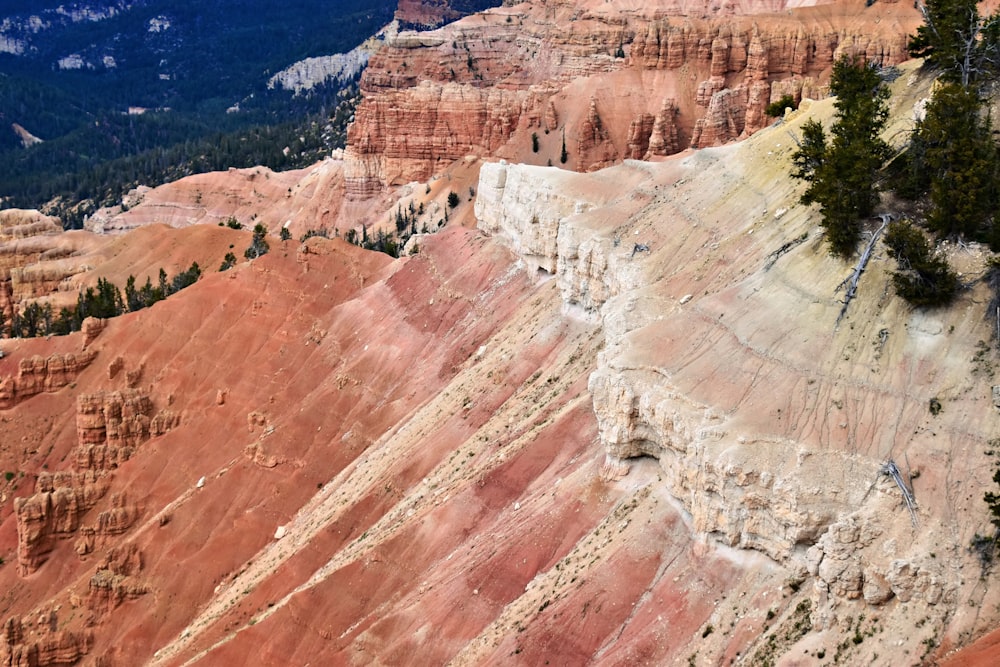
40 374
38 643
484 84
52 513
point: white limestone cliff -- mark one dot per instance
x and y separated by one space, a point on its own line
724 362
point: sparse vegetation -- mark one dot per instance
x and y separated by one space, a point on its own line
922 279
934 405
228 262
777 108
984 547
258 245
105 301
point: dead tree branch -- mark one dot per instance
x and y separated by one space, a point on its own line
773 257
889 468
852 281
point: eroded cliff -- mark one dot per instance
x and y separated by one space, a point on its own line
659 77
618 424
770 423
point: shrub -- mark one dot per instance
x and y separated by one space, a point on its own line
923 280
777 109
453 199
258 246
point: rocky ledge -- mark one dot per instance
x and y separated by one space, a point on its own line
772 425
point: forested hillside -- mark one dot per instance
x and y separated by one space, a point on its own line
194 77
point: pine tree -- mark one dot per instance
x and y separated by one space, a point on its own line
957 40
844 173
923 279
132 300
258 245
228 262
959 158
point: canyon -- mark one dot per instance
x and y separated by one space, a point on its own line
608 413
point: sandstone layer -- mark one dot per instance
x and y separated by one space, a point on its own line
617 424
659 77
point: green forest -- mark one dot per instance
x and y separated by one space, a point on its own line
215 56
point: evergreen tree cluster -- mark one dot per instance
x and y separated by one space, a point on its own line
104 301
951 161
405 219
843 173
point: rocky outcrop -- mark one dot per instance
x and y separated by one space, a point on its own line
38 374
16 224
664 135
525 211
38 642
299 199
116 580
311 72
36 258
433 13
92 328
110 425
594 140
554 221
406 135
53 513
481 86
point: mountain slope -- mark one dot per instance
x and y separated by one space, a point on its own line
612 457
602 417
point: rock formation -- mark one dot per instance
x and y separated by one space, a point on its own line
39 643
109 428
482 85
54 512
458 453
36 258
115 580
433 13
114 423
40 374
